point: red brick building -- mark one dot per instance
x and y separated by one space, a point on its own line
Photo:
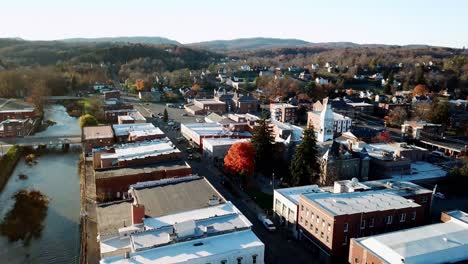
97 136
114 94
114 183
330 220
17 114
282 112
136 154
445 242
15 127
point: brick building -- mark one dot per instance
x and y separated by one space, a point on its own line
445 242
135 154
133 116
282 112
136 132
114 94
244 103
114 183
332 219
17 114
97 136
16 127
203 106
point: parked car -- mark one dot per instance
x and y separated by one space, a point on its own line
267 223
199 120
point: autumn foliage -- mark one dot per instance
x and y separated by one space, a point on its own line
140 85
383 137
240 159
420 89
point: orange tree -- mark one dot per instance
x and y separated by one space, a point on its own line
240 160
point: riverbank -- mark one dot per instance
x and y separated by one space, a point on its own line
8 163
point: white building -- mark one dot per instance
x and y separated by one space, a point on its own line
217 234
326 123
321 81
286 203
218 147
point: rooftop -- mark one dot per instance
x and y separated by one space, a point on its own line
293 193
145 169
437 243
97 132
140 150
223 141
212 129
278 105
125 129
359 202
17 105
185 252
112 216
172 196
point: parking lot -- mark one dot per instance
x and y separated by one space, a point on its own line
157 109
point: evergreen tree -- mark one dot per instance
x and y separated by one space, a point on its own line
165 115
262 141
304 164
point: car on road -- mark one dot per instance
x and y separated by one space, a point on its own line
267 223
184 114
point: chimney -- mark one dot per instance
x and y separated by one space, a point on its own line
138 213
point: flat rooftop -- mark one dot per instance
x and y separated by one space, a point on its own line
211 129
437 243
223 141
97 132
293 193
125 129
185 252
145 169
140 150
170 196
112 216
359 202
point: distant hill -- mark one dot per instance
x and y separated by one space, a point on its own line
249 44
142 40
24 53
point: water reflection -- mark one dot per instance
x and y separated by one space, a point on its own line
25 220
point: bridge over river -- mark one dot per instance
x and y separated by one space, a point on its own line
42 140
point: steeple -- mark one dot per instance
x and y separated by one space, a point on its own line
326 122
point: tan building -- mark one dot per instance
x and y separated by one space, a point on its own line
203 106
330 220
97 136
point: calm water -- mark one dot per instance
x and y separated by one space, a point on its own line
56 176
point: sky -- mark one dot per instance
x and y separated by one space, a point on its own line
400 22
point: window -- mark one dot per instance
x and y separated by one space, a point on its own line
371 222
345 229
318 219
306 223
356 260
254 259
321 234
302 208
345 241
312 216
388 219
329 227
316 230
328 240
413 215
239 260
363 223
402 217
300 220
311 226
307 212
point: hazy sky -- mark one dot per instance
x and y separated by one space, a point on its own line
434 22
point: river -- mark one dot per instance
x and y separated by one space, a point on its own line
56 176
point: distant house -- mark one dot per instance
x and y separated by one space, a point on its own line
321 81
16 127
305 75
